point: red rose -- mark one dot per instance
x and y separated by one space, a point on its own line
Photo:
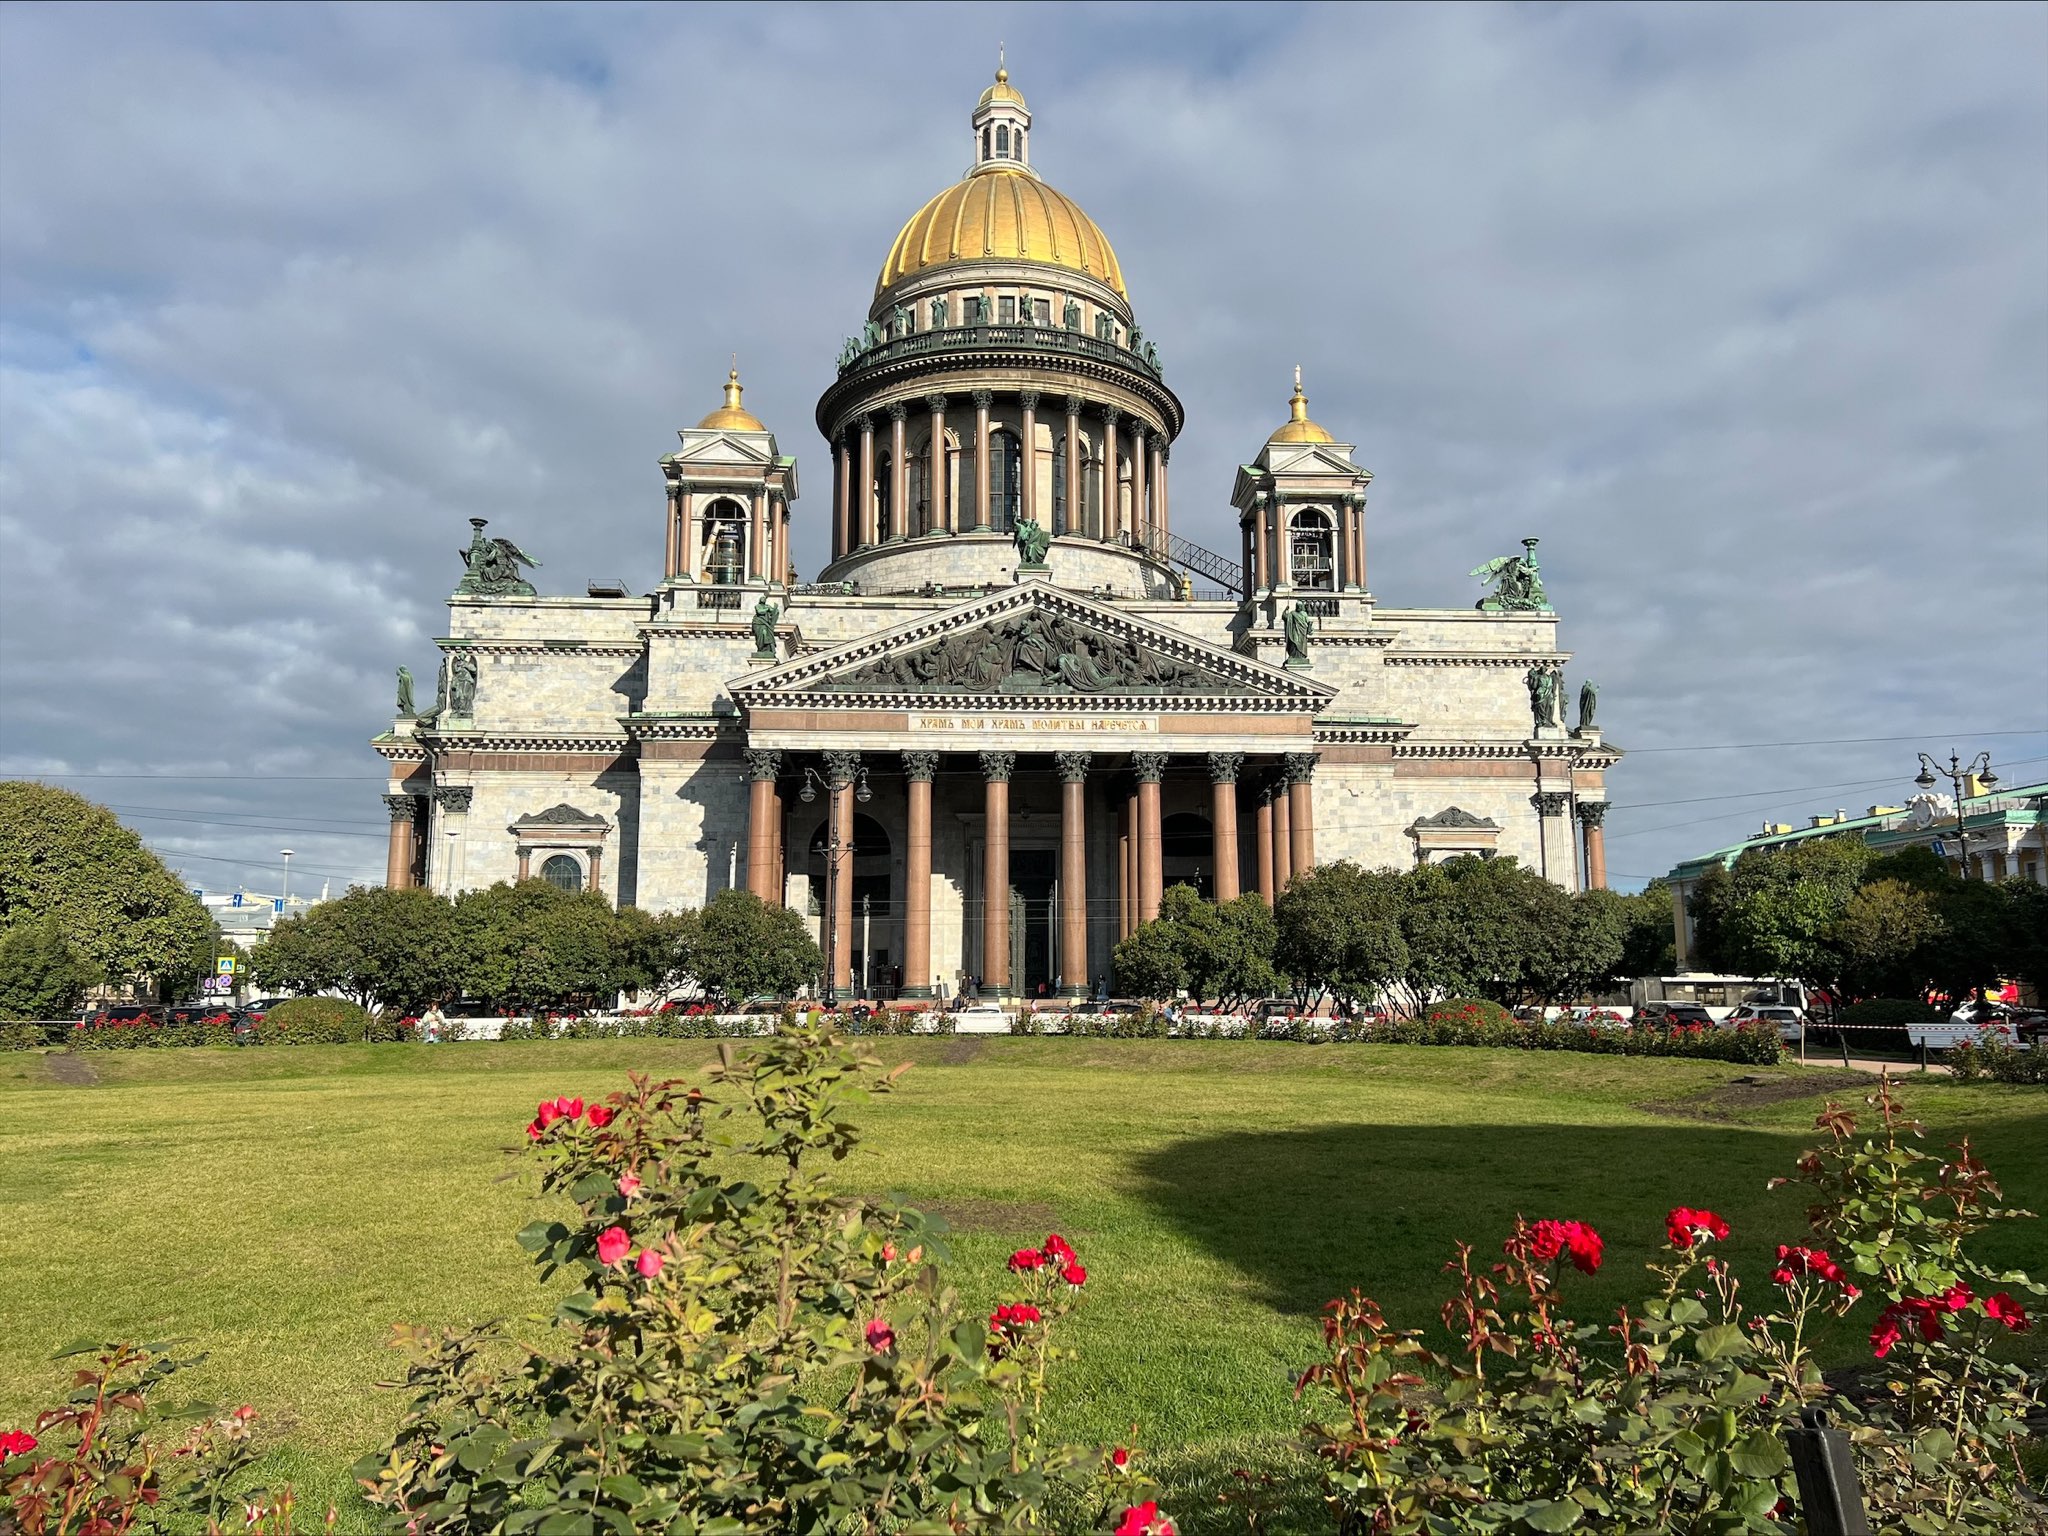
612 1244
649 1263
1145 1520
1056 1247
600 1117
535 1129
16 1442
1075 1276
1586 1246
1119 1458
1546 1240
1025 1259
1007 1324
1915 1311
1957 1297
1686 1226
545 1114
568 1109
1885 1335
2007 1311
881 1337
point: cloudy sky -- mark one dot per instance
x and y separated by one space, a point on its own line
1743 310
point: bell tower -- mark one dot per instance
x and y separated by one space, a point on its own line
729 491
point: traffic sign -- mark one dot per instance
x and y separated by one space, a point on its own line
224 965
1940 849
235 900
277 905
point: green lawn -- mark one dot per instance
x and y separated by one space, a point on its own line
282 1208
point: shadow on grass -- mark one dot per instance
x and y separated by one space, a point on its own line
1305 1215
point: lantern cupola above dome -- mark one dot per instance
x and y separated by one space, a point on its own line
1002 126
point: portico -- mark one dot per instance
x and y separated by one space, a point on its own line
1039 759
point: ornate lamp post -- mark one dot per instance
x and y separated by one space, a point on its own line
833 848
1955 773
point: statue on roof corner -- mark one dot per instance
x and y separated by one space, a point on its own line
405 704
1518 583
491 566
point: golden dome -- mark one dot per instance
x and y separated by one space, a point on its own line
1298 428
1002 90
1001 213
731 416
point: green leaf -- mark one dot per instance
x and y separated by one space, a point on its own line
1724 1341
1758 1454
1552 1514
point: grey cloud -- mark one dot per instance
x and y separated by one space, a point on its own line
1742 309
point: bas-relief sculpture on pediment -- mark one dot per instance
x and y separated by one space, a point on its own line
1040 651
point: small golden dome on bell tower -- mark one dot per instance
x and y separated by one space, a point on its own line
1298 428
732 416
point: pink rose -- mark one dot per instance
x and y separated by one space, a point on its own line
649 1263
612 1244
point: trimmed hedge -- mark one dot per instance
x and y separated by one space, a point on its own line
315 1021
1759 1047
1886 1010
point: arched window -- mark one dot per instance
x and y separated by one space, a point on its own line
1002 141
725 543
563 873
984 144
1187 853
1311 549
1005 479
1059 486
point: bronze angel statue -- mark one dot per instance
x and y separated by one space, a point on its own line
492 566
1518 583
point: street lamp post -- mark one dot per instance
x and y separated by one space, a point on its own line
833 848
1955 773
286 854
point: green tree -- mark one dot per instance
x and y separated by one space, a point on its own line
1782 906
1493 929
1649 945
41 975
1582 955
1149 963
383 947
1340 930
1226 951
118 907
533 946
738 946
1886 939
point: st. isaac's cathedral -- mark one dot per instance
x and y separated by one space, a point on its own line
1015 707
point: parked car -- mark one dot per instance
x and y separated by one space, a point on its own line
980 1019
1669 1015
1788 1021
256 1007
127 1013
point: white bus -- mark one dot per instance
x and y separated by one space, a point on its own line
1719 995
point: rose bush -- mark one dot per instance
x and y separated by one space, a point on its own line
743 1349
1673 1417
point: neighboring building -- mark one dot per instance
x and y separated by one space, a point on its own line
1006 679
2003 829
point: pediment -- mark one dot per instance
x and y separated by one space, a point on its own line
1309 459
713 449
560 816
1455 818
1034 647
